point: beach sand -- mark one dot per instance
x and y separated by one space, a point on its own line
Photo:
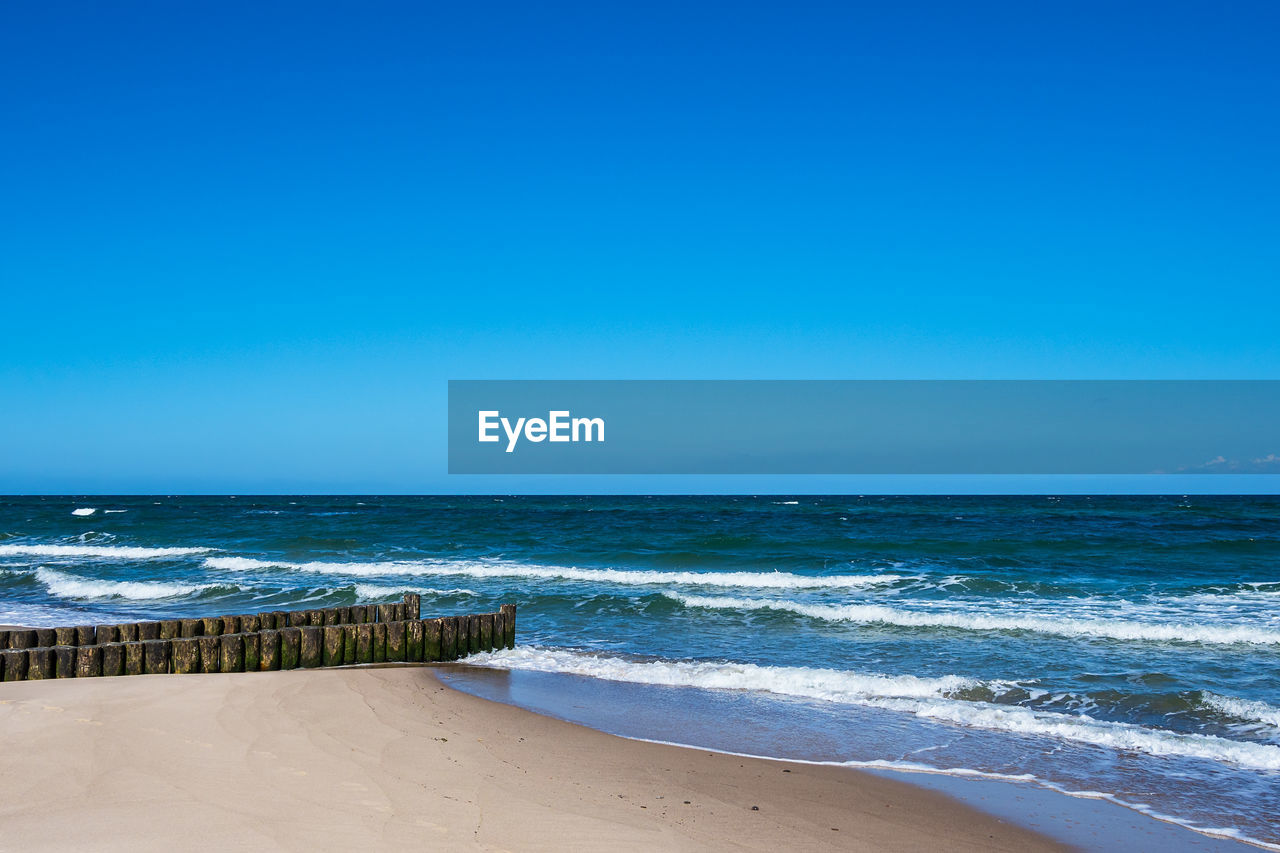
368 758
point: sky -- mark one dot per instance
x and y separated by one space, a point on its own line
243 246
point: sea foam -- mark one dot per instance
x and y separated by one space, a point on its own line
971 620
71 586
503 569
373 591
1247 710
928 698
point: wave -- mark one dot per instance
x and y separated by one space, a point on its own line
502 569
1247 710
1063 626
928 698
71 586
118 552
829 685
369 591
84 510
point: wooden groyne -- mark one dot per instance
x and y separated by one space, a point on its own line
280 639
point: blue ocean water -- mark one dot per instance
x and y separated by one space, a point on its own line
1123 646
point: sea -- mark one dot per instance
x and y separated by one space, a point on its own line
1122 648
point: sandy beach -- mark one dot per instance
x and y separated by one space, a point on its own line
375 757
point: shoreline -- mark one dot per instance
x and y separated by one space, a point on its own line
391 754
1079 819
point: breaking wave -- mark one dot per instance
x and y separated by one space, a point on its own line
1060 625
929 698
502 569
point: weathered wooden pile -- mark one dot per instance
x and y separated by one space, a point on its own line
334 636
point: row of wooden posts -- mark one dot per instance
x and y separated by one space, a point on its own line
336 636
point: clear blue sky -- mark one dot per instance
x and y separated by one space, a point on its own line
244 245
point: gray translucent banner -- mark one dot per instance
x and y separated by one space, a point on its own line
863 427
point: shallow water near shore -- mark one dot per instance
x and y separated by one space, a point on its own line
1121 646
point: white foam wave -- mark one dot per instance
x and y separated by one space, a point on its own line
370 591
119 552
71 586
504 569
84 510
973 620
929 698
829 685
1249 710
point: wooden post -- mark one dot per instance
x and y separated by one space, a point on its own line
231 624
344 615
232 648
210 654
386 613
350 645
474 646
112 659
89 662
296 618
449 638
191 628
279 619
315 618
412 606
61 637
40 664
128 632
65 661
380 642
4 639
364 643
499 635
86 635
186 655
486 632
432 633
250 623
331 616
156 656
133 658
334 644
212 626
270 659
15 664
395 641
290 647
170 628
266 621
311 647
252 651
413 638
148 631
22 638
509 624
106 634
